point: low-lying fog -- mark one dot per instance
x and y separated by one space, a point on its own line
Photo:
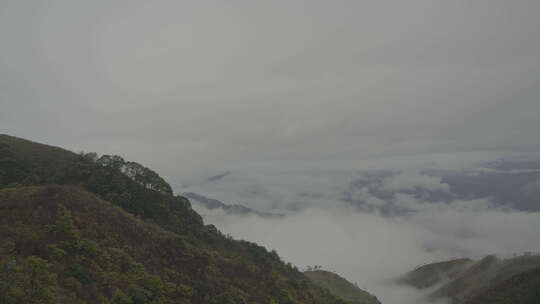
370 226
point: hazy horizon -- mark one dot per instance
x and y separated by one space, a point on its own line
192 85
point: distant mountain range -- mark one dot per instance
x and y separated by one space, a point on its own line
507 183
234 209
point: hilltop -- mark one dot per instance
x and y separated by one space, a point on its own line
341 287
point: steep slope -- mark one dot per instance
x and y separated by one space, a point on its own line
523 288
484 274
466 280
473 279
106 237
341 287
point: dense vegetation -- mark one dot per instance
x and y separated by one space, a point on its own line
341 287
26 163
77 228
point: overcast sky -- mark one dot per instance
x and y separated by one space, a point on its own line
185 85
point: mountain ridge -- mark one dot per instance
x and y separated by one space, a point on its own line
82 231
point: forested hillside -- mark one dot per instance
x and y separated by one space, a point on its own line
78 228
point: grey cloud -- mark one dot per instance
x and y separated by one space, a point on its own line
532 189
411 180
206 84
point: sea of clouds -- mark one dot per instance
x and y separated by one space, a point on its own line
370 226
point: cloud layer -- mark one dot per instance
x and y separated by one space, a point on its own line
369 226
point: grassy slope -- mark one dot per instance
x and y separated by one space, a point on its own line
102 238
341 287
